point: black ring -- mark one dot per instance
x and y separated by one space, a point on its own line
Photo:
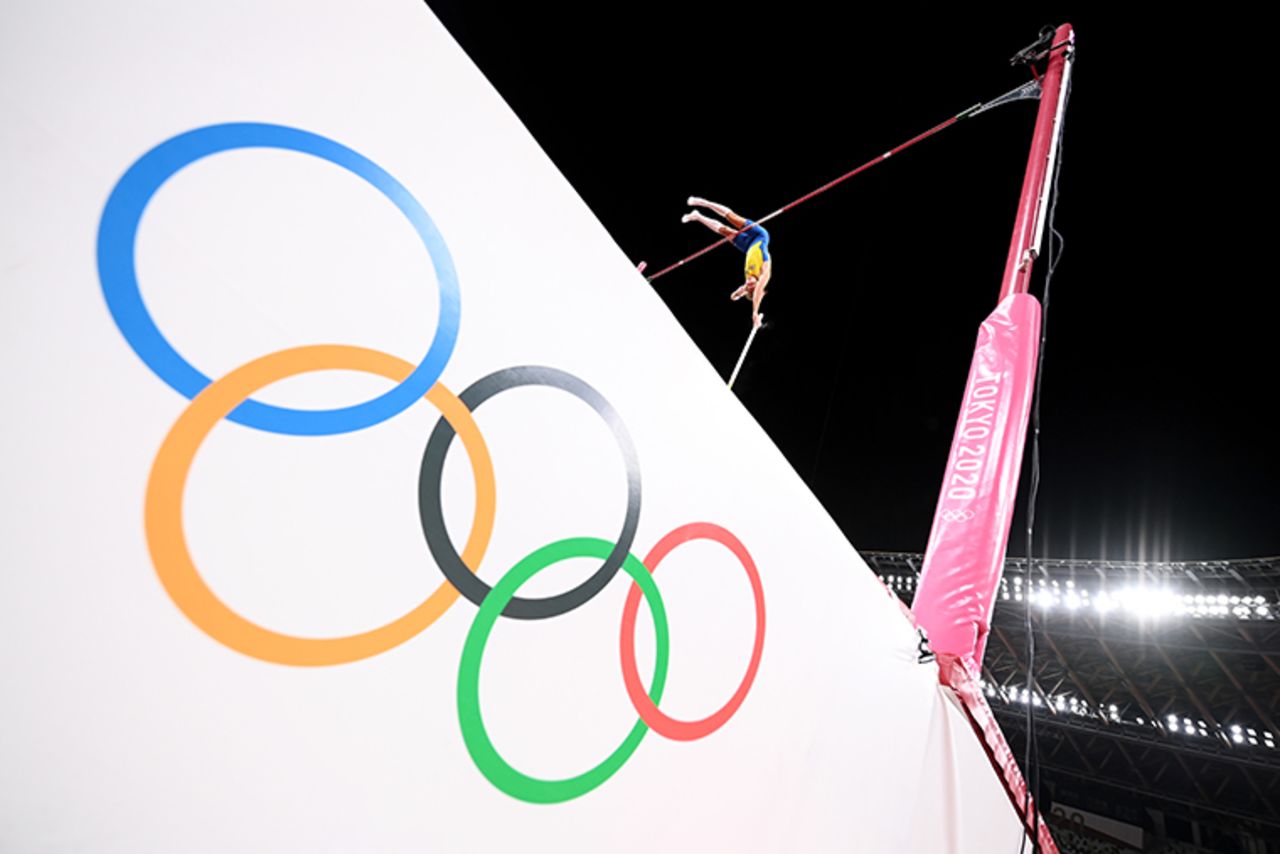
430 481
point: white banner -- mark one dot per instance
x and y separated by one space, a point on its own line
308 346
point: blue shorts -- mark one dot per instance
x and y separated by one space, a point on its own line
750 235
754 241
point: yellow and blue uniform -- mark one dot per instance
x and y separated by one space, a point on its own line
754 241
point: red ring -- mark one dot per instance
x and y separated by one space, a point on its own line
649 713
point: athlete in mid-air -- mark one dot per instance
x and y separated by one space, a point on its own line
749 238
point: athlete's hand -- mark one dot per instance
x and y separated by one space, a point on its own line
757 320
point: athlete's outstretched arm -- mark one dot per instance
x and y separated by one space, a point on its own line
757 295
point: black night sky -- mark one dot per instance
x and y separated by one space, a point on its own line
1156 444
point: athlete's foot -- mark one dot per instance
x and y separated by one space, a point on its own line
696 201
739 293
689 217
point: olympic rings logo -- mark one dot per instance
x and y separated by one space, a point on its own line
963 515
231 398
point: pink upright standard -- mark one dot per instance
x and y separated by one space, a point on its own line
965 555
966 547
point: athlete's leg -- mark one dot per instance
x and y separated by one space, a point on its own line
736 221
718 227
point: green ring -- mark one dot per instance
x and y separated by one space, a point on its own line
483 753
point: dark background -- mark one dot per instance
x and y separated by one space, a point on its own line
1156 440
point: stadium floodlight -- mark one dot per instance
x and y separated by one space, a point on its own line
1147 602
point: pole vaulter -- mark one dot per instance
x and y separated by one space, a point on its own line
738 231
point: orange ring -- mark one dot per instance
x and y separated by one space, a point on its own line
167 540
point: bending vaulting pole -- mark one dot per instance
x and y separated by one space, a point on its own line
743 356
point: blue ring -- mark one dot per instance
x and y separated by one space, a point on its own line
118 232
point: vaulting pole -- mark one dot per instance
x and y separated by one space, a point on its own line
743 356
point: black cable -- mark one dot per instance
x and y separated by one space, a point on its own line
1031 762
